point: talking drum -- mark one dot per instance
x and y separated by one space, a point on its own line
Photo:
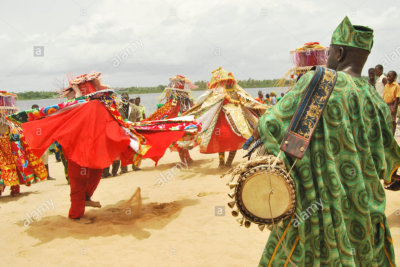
264 194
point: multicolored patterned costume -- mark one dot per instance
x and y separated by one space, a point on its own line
177 98
226 112
18 165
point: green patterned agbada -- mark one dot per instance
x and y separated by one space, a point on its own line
351 150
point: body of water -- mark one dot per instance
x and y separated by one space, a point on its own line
149 101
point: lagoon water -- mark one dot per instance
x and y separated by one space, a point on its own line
147 100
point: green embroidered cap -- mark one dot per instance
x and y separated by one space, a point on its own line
348 34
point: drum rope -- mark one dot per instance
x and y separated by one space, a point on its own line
269 203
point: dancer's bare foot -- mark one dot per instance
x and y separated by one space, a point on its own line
91 203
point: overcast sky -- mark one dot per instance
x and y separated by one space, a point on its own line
143 43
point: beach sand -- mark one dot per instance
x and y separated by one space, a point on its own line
181 222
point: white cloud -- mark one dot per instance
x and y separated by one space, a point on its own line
249 38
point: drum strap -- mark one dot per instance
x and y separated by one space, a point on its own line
309 112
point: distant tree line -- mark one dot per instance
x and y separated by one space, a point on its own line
249 83
141 90
36 95
202 85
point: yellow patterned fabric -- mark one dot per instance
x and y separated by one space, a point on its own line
219 75
7 165
18 165
207 130
159 113
237 120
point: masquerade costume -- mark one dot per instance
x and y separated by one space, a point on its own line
89 129
177 99
164 127
351 150
228 115
18 165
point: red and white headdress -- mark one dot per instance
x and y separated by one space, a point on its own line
84 85
180 82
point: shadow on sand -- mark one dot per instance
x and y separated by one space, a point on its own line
116 219
6 199
197 167
204 167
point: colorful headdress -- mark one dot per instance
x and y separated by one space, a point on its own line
218 75
85 85
179 86
180 82
356 36
310 54
8 105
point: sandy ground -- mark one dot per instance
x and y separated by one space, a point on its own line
181 222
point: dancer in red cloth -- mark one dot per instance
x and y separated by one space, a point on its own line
90 130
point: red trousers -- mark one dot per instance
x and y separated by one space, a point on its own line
83 182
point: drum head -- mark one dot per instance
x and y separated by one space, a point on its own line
258 199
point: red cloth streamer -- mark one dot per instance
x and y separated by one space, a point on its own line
159 142
88 134
223 138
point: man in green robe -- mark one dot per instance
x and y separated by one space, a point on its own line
339 176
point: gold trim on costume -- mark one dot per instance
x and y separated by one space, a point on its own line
309 118
280 241
386 253
291 251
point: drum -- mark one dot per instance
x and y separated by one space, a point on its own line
264 194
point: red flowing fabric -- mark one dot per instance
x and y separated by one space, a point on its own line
159 142
88 134
223 138
126 157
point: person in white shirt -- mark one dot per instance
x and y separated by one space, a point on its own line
381 79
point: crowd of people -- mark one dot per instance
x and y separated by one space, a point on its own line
270 98
387 87
131 110
351 149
